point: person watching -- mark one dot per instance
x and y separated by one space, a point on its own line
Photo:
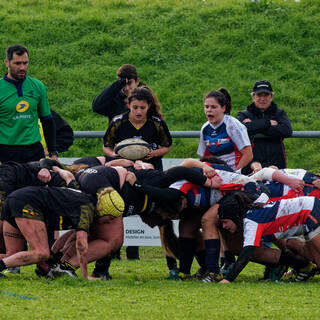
264 117
23 101
112 100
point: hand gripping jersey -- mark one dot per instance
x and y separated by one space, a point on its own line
281 219
224 141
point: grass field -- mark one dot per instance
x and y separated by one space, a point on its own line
182 49
139 290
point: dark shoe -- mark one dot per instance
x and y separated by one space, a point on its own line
173 274
185 276
212 277
64 268
226 268
2 275
276 273
306 273
199 274
103 275
43 269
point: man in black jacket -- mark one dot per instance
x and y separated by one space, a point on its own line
264 117
112 100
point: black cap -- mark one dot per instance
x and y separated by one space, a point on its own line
262 86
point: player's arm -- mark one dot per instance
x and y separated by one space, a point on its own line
82 251
243 259
246 157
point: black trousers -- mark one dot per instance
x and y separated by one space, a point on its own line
21 154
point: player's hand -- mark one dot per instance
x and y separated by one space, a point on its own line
131 177
224 281
274 122
214 182
316 183
296 184
150 155
208 171
44 175
246 120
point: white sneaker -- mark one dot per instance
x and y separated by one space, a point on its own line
14 270
59 270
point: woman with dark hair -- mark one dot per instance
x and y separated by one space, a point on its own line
144 121
223 135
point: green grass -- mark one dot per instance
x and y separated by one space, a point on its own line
182 49
139 290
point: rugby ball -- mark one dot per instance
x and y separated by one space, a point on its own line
132 149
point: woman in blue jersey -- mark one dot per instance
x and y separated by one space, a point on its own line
223 135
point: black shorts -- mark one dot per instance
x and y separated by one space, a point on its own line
21 154
16 208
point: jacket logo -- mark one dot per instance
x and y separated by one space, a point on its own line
22 106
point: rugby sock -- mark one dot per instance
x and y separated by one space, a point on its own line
212 255
103 264
187 251
171 263
222 261
201 258
2 265
229 257
289 259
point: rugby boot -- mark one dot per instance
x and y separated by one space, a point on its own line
102 275
14 270
173 274
64 268
199 274
185 276
305 273
212 277
226 268
276 273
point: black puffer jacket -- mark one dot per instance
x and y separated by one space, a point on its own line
111 101
268 150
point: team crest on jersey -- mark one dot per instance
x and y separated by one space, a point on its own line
22 106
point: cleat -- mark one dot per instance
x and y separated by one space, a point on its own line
184 276
43 269
102 275
63 269
199 274
173 274
2 275
289 275
212 277
226 268
306 273
276 273
14 270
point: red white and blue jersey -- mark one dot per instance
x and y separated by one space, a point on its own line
279 191
224 141
198 197
281 219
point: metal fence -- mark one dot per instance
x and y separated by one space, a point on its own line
190 134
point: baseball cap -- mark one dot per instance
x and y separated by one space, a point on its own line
262 86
